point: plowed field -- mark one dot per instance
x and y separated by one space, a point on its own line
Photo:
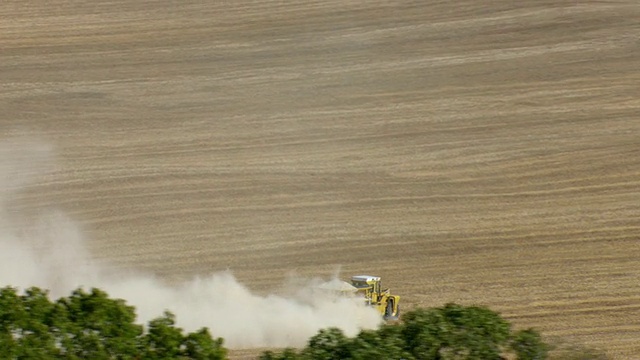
480 152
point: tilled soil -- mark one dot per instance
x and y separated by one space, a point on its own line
473 152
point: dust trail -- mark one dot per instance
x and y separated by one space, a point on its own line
52 254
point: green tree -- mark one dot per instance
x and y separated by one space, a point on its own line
97 327
425 333
328 344
287 354
164 340
445 333
23 324
201 346
34 338
90 325
455 332
384 343
10 313
528 345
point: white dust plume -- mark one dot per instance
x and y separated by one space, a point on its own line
52 255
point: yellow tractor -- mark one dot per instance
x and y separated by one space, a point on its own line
369 286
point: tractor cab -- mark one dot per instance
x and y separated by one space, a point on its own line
368 286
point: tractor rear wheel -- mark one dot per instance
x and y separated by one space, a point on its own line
388 312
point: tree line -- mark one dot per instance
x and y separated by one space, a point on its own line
91 325
449 332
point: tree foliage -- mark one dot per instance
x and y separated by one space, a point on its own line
445 333
528 345
90 325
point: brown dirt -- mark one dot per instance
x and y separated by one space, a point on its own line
477 152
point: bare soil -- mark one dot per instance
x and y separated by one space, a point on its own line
480 152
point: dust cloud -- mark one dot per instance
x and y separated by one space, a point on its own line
50 253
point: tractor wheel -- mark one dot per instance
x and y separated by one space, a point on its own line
388 312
